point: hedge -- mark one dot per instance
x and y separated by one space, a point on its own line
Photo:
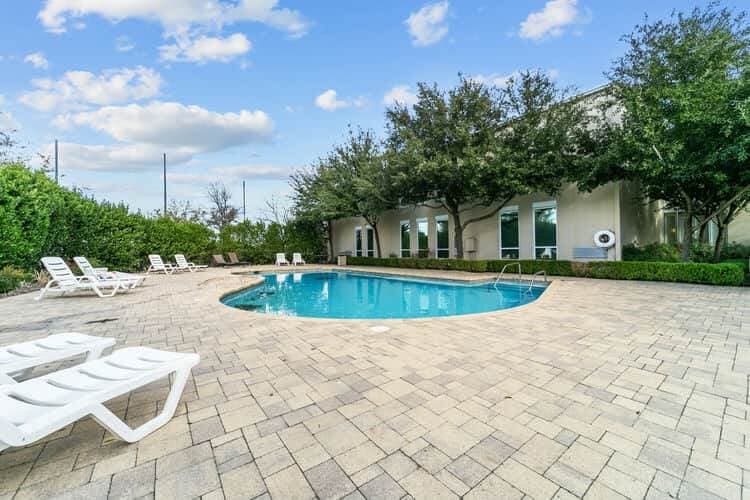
732 274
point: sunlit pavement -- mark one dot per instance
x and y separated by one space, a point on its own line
600 389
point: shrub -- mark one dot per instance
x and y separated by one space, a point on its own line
683 272
11 278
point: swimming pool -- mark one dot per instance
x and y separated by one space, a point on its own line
368 296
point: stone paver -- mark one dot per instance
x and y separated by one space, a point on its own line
599 389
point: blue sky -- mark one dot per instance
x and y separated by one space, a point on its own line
253 89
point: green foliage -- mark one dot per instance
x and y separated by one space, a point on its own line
38 218
713 274
683 93
11 278
669 252
258 243
476 146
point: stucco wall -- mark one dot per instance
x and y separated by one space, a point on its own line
579 216
739 229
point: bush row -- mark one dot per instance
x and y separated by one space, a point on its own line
714 274
38 218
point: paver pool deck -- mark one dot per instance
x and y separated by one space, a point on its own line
599 389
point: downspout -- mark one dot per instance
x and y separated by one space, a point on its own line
618 221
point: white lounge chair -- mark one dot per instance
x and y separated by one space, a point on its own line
184 265
64 281
297 259
18 360
36 408
281 260
126 280
158 265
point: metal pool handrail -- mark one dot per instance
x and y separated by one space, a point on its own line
533 278
506 266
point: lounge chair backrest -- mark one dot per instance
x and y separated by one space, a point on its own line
156 261
181 260
85 266
280 257
219 259
233 258
60 272
297 257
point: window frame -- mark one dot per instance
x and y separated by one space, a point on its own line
542 205
369 251
508 210
438 249
426 222
358 252
401 225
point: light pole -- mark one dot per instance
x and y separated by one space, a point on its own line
244 213
164 214
57 181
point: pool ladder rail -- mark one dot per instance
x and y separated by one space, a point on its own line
519 276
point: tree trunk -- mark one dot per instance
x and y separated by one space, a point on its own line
331 257
719 243
377 239
687 240
458 234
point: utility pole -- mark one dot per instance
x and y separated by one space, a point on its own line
244 213
57 181
164 214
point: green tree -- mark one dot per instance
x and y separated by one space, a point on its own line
314 197
474 147
363 179
682 92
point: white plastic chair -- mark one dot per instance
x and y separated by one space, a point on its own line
64 281
158 265
184 265
281 260
297 259
18 360
36 408
126 280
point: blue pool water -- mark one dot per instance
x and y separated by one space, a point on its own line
359 295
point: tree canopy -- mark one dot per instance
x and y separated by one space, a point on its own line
682 93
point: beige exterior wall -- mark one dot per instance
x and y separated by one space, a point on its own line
617 207
579 216
739 229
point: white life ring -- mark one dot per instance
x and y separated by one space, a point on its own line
604 238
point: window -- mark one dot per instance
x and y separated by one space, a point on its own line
405 238
545 230
370 242
358 241
441 228
674 226
423 246
509 233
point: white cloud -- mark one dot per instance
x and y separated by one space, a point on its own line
204 48
551 20
191 129
176 15
427 25
117 157
37 60
400 94
329 101
232 173
79 89
124 44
